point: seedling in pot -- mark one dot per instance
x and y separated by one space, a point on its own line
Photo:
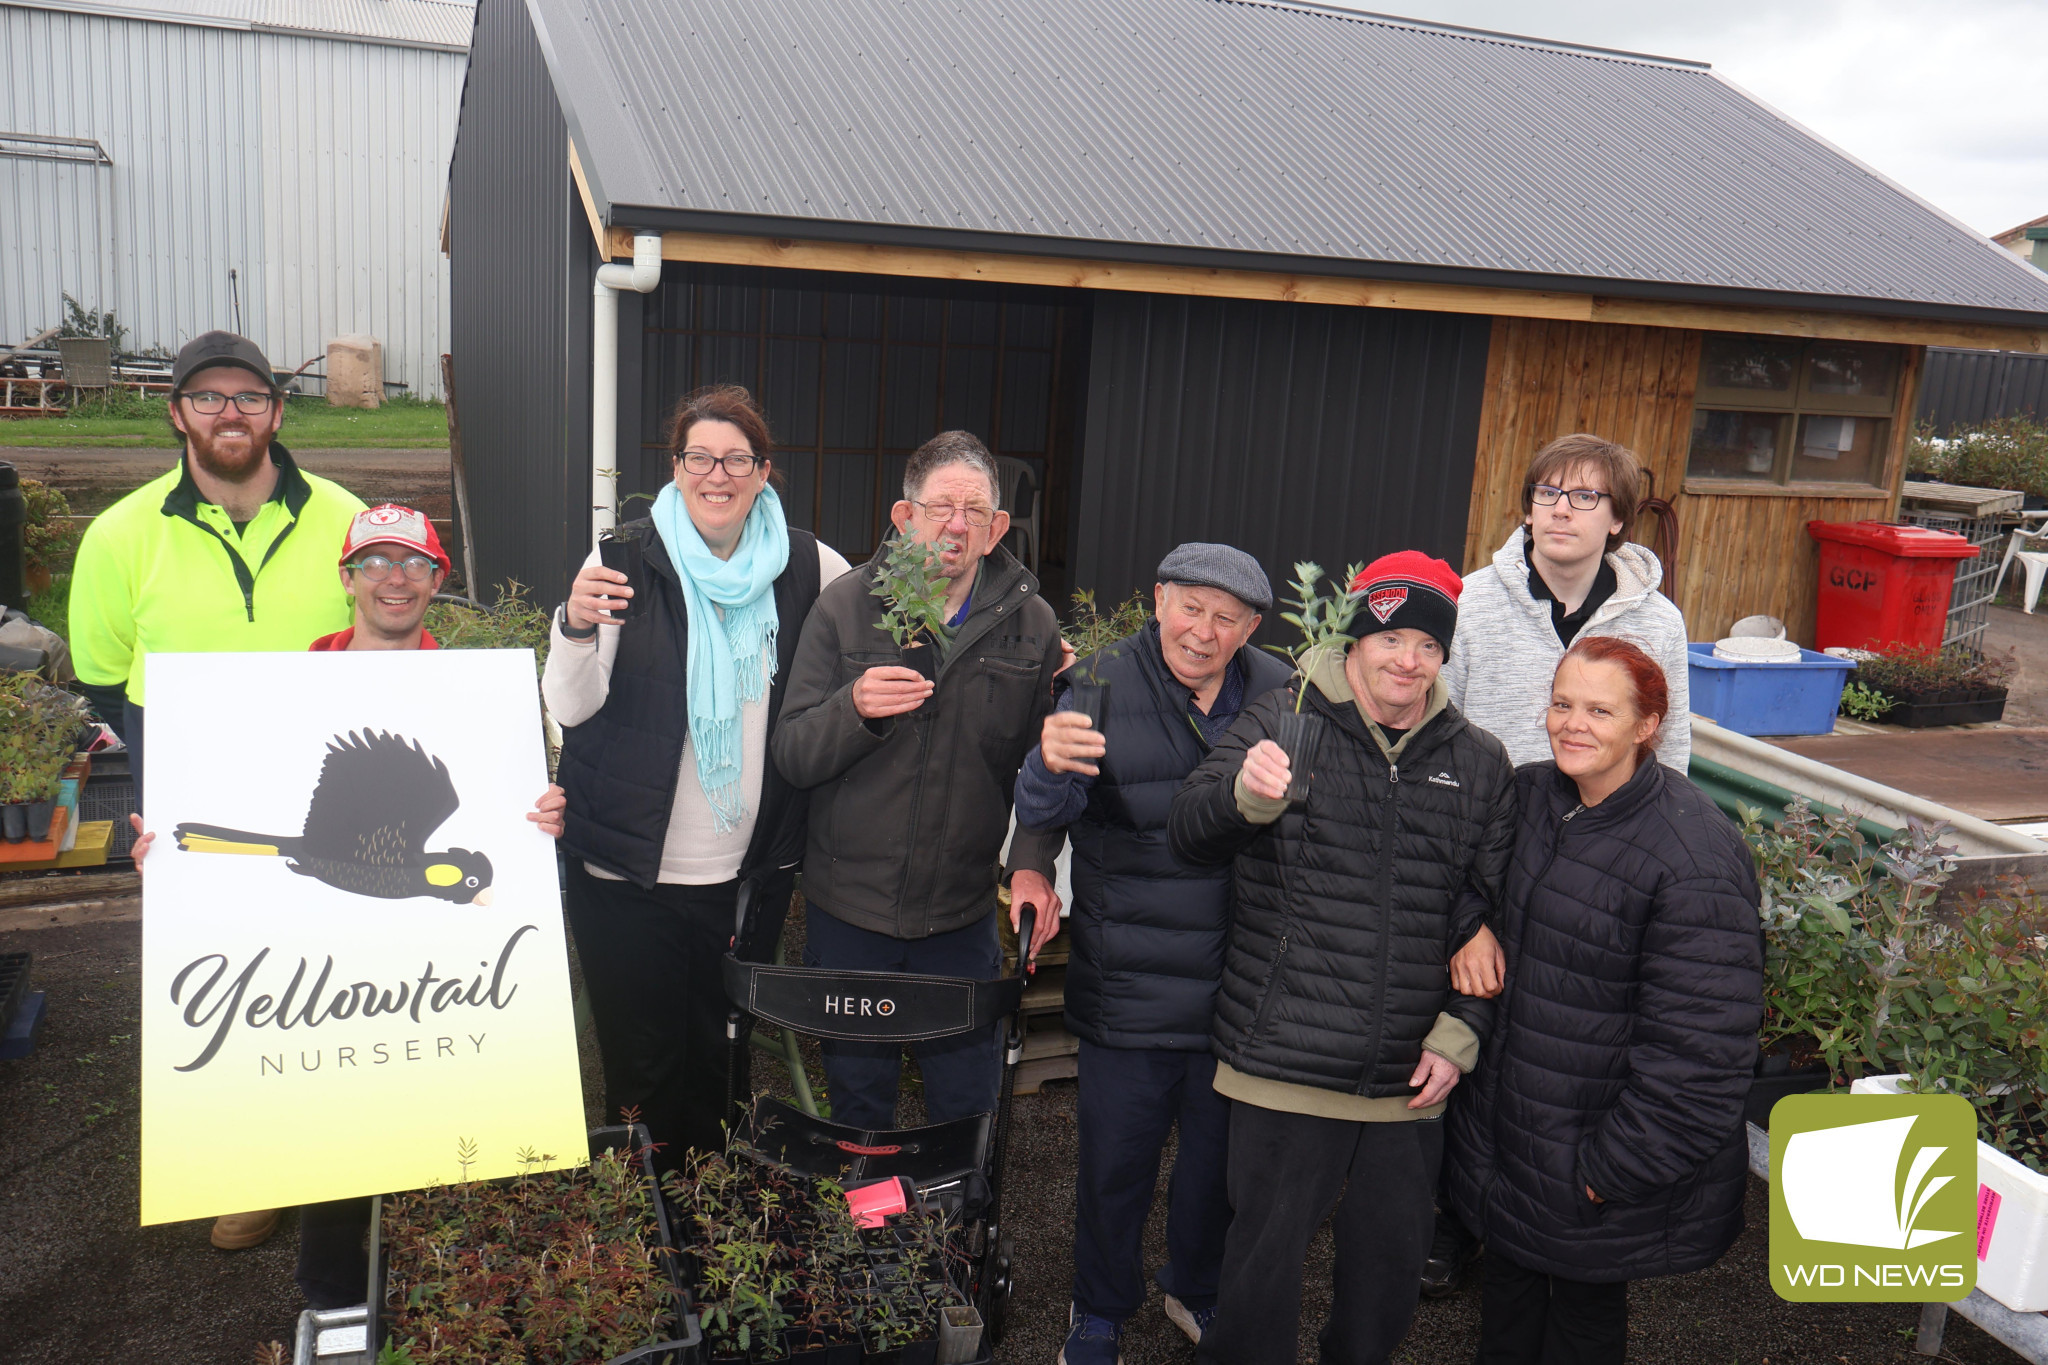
913 592
1093 637
624 552
1325 626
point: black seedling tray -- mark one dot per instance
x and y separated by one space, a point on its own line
13 986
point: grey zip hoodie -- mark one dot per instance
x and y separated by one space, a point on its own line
1506 649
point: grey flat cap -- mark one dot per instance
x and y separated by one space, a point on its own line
1202 565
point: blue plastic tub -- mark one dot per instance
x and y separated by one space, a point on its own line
1769 699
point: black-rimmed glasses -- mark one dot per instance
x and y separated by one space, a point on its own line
1583 499
209 402
736 464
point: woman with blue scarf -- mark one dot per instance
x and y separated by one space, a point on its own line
672 802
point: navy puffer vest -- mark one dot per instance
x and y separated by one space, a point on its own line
619 768
1148 929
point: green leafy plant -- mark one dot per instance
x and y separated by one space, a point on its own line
80 321
912 590
2005 452
1324 622
48 535
1867 973
39 726
1904 673
1864 703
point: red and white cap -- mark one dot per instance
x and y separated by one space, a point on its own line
389 524
1409 590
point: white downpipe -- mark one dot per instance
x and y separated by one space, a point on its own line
640 277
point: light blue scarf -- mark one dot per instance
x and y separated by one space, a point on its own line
734 665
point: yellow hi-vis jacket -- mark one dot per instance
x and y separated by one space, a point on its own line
162 571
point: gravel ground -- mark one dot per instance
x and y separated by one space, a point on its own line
80 1281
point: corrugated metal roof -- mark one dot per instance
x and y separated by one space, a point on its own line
428 23
1201 130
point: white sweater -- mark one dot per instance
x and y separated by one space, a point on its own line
694 852
1506 650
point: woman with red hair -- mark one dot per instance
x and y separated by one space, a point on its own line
1600 1139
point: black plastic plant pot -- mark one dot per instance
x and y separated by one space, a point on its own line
1920 715
40 813
922 658
624 553
14 821
1091 699
1297 733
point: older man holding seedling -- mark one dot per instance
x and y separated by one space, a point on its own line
1338 1032
1148 932
910 772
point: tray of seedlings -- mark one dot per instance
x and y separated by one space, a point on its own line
556 1266
783 1266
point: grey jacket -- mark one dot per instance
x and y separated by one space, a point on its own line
1506 649
908 814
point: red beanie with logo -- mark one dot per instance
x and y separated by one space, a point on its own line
1407 590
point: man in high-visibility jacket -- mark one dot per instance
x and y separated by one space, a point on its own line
232 549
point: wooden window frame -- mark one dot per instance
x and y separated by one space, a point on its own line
1799 403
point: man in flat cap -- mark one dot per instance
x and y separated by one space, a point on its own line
1148 933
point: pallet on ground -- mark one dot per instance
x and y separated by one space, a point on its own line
1050 1054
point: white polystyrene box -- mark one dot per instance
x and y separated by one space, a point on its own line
2014 1266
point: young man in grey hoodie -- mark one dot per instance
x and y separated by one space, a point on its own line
1568 570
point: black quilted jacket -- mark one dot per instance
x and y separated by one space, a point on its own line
1349 906
1625 1039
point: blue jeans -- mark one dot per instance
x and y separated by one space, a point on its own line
961 1073
1129 1099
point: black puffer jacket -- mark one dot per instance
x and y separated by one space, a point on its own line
1625 1040
1148 929
1349 906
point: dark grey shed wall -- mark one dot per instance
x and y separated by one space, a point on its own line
1294 431
1966 387
521 265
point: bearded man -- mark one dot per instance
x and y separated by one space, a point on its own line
231 550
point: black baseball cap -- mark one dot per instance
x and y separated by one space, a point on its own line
210 349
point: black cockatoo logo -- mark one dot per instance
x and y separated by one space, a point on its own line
378 801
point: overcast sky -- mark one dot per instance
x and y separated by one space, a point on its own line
1948 99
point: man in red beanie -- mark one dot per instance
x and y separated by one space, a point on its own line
1338 1034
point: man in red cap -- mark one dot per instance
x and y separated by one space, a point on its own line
1338 1032
392 563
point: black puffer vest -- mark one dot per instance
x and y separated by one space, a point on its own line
1626 1036
619 767
1148 929
1349 906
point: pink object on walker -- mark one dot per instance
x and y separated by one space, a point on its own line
872 1203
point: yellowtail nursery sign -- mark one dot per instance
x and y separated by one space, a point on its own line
354 972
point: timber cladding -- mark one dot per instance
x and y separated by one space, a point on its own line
1740 554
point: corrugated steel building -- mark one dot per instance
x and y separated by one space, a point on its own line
1311 281
147 150
1967 387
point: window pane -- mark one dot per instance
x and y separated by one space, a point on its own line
1749 369
1734 445
1839 450
1843 370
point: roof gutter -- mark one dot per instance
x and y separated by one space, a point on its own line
1213 258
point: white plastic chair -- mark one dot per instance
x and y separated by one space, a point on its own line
1019 487
2033 562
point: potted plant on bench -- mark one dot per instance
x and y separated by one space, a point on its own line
1926 687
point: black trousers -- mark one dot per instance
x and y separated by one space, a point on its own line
334 1259
1529 1318
1130 1099
650 962
1287 1172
